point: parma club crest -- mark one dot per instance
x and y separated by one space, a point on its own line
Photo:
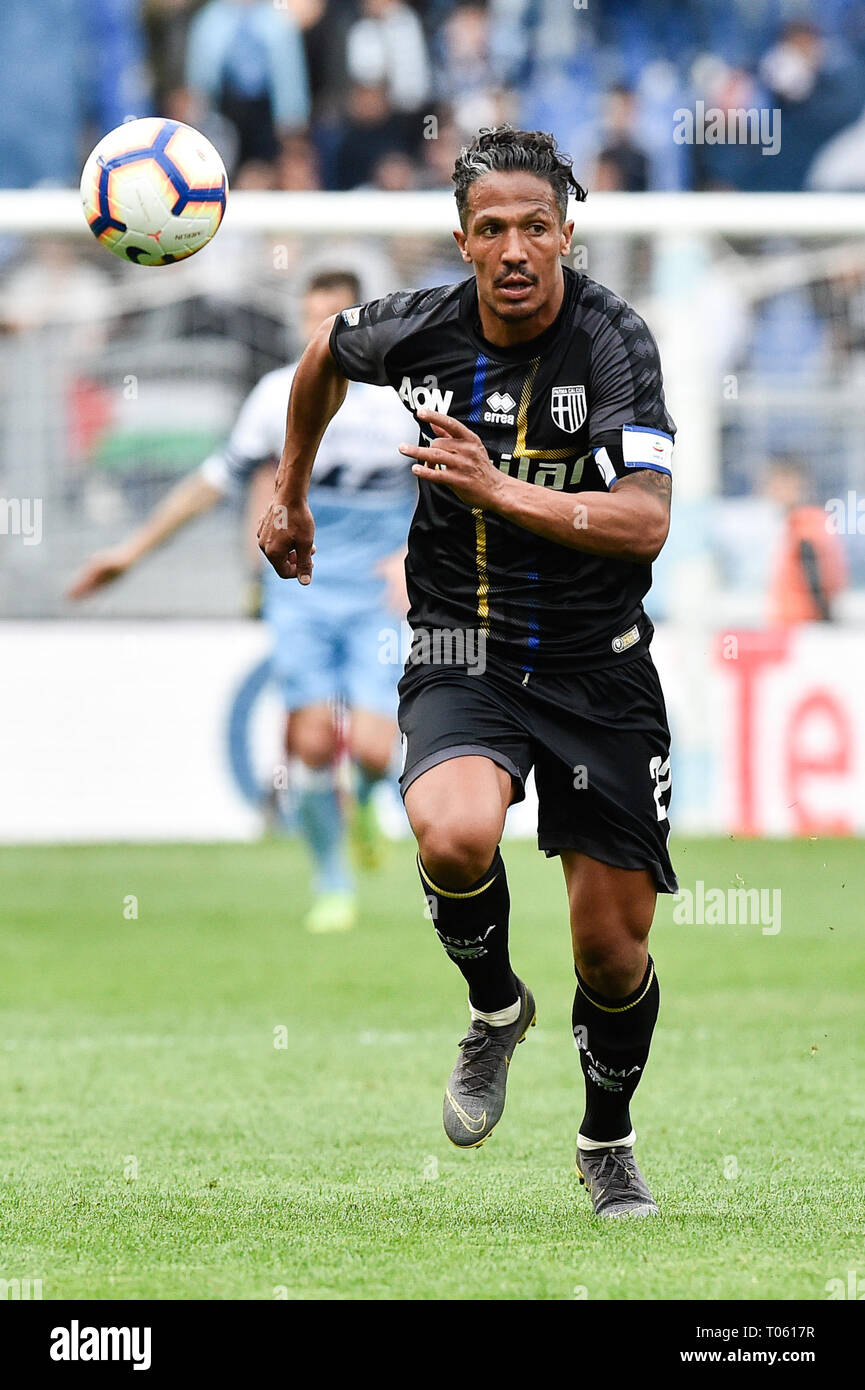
568 407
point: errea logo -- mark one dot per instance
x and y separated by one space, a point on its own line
500 408
424 397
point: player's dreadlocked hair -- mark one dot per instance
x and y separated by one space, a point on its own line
507 150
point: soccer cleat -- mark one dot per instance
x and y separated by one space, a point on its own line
614 1182
475 1095
332 912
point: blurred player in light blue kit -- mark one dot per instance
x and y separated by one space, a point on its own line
330 640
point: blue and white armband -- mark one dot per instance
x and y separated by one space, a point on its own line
636 447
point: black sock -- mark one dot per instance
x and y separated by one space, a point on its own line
472 925
613 1036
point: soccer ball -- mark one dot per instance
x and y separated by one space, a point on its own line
154 191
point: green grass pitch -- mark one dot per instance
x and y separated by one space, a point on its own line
158 1141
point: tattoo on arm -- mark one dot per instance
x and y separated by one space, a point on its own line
650 480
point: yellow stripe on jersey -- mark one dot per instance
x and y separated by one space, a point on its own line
520 450
483 574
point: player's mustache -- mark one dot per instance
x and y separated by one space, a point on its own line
516 275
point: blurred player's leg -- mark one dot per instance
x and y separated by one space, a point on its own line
369 675
307 655
312 744
371 739
615 1009
457 811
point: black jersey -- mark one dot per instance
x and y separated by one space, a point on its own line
572 409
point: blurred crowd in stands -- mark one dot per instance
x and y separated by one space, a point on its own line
338 94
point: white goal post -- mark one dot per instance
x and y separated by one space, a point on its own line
46 210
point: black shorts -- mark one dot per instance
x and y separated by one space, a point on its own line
598 741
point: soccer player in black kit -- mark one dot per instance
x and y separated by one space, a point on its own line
544 496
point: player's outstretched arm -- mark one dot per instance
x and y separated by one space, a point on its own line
629 523
287 528
187 499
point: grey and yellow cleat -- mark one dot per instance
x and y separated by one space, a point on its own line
368 844
475 1095
614 1182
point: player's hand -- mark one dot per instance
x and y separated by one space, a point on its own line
100 569
392 571
285 535
458 459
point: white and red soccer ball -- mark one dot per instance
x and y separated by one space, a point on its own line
154 191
